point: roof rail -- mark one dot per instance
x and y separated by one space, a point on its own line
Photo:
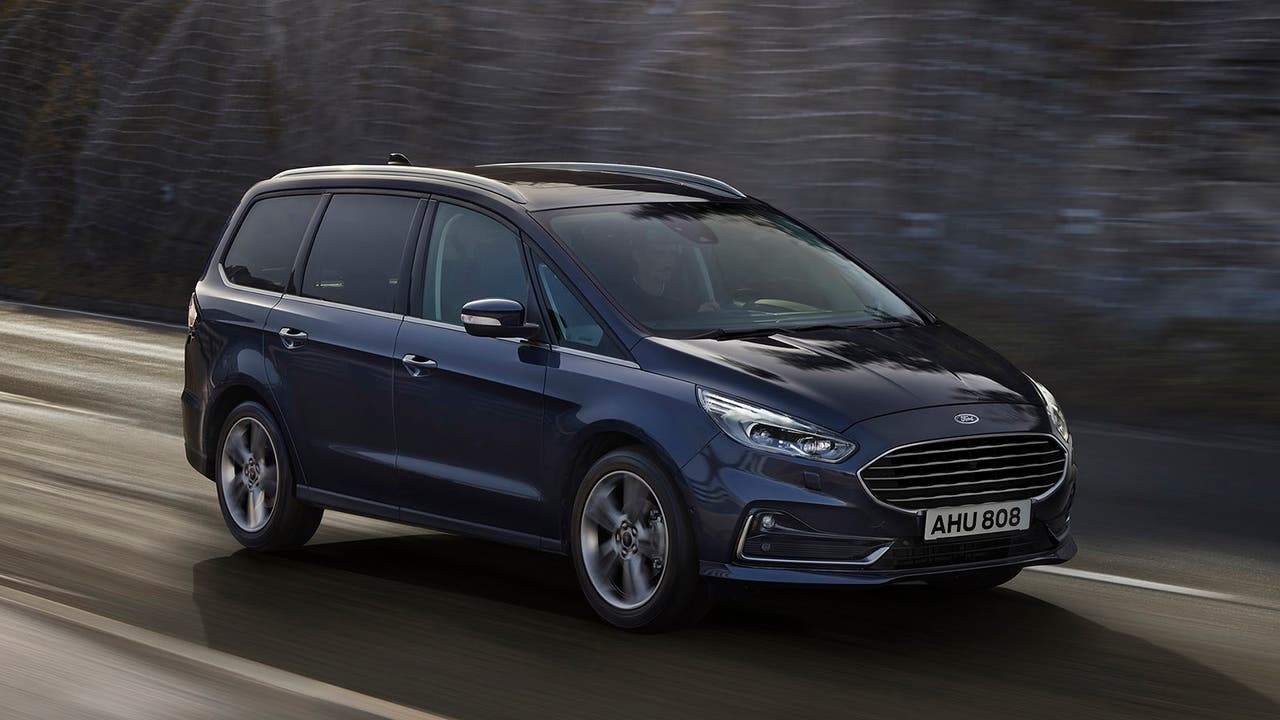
462 178
682 178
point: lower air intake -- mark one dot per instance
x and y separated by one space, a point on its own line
915 554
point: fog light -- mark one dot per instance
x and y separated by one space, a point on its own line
767 522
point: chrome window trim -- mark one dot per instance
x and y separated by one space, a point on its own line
555 348
596 356
1066 466
435 324
870 559
342 306
461 329
227 282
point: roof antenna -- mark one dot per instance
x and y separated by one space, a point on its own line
398 159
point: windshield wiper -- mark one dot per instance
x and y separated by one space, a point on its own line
825 326
892 320
722 334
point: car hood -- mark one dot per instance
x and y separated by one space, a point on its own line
841 376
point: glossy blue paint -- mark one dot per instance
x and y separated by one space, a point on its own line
836 377
493 439
587 397
223 352
335 393
468 430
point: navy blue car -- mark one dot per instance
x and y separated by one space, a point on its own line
647 370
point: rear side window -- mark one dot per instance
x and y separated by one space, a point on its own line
358 251
262 253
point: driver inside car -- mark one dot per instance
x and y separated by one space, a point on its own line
656 286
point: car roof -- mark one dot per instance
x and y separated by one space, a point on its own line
543 186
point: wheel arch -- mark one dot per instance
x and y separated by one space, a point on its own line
596 441
228 397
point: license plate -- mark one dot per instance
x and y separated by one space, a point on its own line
981 519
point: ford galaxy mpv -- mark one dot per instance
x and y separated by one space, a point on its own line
647 370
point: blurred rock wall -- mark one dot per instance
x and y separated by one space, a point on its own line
1118 157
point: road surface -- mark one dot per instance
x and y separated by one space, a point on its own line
123 596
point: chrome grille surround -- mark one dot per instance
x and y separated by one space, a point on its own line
966 470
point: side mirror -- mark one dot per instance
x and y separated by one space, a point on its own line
496 317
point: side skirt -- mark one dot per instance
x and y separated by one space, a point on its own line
381 511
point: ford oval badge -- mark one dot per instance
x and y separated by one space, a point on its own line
966 418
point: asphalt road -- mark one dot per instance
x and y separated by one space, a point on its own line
122 595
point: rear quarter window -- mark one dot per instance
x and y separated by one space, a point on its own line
264 248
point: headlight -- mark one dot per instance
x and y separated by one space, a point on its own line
774 432
1055 412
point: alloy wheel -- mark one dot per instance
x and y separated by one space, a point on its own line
249 474
624 539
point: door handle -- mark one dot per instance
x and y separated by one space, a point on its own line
417 365
291 337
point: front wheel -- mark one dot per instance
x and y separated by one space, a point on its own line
633 546
255 484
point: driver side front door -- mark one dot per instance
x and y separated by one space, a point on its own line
468 410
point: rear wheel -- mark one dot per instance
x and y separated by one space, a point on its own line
974 580
633 547
255 485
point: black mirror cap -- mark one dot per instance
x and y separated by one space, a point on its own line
497 317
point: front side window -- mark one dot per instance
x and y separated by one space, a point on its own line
264 248
470 256
357 254
572 325
685 269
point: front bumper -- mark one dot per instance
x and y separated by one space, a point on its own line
853 538
870 576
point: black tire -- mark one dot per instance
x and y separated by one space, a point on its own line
681 597
290 523
973 580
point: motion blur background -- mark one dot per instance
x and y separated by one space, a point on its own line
1091 186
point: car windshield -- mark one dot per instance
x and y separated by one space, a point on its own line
689 269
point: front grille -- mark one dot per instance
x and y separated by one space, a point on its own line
916 553
964 471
